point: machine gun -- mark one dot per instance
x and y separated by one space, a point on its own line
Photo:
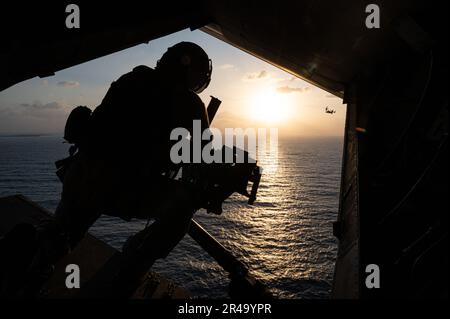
224 179
248 172
215 182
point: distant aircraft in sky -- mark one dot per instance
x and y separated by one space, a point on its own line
329 111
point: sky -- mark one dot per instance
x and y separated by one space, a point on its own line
254 93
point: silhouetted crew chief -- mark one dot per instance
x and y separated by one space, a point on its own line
119 168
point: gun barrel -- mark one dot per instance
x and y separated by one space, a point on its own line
255 178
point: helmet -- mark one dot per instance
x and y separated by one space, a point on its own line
76 129
190 62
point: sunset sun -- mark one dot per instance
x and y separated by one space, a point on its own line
270 107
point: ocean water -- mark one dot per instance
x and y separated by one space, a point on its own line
285 238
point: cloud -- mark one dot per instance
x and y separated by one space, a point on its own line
226 67
256 75
68 83
264 75
35 117
331 96
37 109
288 89
39 106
